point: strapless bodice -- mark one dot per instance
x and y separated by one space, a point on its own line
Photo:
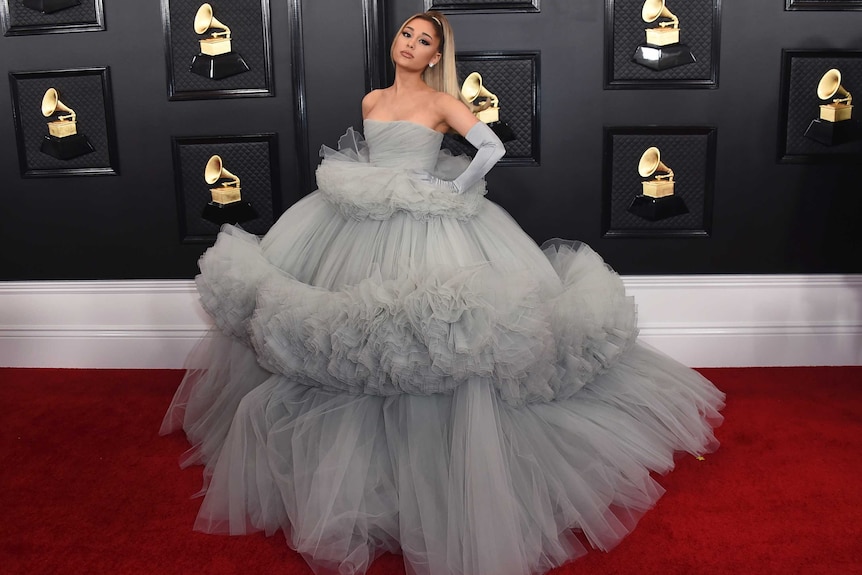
402 144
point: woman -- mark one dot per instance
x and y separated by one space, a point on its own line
400 368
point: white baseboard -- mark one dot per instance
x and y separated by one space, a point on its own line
703 321
752 320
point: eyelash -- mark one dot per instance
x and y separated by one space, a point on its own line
421 40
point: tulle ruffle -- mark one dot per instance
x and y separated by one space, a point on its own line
461 483
426 330
231 274
360 189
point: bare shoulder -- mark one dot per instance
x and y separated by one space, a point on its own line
454 112
444 101
370 100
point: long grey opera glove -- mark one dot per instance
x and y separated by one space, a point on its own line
489 150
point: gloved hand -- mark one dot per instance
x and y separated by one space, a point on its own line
432 180
489 150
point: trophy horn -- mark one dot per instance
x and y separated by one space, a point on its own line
204 20
215 171
472 88
51 103
654 9
650 163
830 85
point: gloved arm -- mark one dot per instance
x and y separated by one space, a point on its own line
489 150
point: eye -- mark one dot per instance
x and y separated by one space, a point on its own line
424 42
405 34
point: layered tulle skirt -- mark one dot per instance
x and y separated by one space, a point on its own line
384 378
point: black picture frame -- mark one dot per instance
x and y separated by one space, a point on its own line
801 71
373 24
823 4
85 90
514 78
252 157
700 35
16 19
454 6
249 22
690 151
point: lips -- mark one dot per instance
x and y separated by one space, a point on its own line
406 54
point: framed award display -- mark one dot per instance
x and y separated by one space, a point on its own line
818 118
503 91
662 43
217 49
64 122
455 6
22 17
225 180
658 181
823 5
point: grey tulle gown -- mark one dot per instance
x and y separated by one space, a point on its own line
397 368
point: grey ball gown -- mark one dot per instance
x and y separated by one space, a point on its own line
397 368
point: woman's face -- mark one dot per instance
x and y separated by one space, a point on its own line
416 46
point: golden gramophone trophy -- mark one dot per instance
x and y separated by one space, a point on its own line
62 140
835 124
662 49
656 200
50 6
216 60
226 205
485 106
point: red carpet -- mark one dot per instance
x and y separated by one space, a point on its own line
87 486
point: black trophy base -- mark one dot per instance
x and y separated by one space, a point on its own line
49 6
218 67
655 209
663 57
232 213
66 148
833 133
503 131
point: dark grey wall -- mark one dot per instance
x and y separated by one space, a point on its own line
768 217
125 226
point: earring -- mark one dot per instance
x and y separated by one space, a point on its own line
431 65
